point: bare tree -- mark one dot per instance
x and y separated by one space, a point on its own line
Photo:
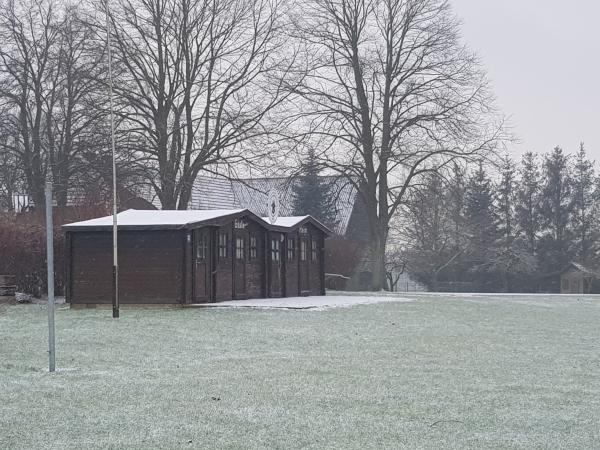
393 95
50 67
432 244
196 81
10 175
28 34
75 105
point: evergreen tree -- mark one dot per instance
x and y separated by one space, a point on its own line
312 193
529 197
481 223
509 256
555 250
455 198
584 207
506 200
595 238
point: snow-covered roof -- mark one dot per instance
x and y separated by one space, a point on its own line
289 221
170 218
140 218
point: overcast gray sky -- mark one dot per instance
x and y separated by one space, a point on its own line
543 57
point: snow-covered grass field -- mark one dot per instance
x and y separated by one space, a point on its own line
440 372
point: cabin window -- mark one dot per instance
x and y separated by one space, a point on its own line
253 247
239 247
223 241
291 249
302 250
202 248
313 250
275 249
565 284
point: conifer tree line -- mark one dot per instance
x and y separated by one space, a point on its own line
511 227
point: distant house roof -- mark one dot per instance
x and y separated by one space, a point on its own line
211 192
581 268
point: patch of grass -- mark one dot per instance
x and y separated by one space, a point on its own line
456 372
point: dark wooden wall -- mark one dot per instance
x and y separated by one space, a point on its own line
150 267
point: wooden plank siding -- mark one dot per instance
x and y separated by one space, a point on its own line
150 267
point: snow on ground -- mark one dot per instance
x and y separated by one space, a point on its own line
445 371
345 299
314 303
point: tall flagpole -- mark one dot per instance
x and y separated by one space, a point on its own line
115 270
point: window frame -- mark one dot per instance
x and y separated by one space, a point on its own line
291 248
314 250
253 253
275 249
202 248
303 249
240 251
223 245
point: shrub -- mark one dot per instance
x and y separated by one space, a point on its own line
23 246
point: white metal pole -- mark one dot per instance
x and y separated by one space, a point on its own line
50 265
115 274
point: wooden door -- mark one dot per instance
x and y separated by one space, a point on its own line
292 280
240 290
304 272
202 266
275 265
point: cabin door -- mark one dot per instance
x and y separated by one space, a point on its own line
275 265
239 265
303 271
202 266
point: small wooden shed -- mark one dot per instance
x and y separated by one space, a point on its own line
186 257
578 279
296 259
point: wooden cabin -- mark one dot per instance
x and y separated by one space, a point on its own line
187 257
578 279
296 257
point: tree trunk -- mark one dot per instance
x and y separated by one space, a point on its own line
187 183
505 281
377 249
434 281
